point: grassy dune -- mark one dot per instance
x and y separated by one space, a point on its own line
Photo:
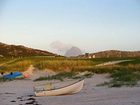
4 60
62 65
53 63
123 77
134 61
66 64
126 73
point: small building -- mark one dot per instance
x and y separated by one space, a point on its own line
87 55
93 56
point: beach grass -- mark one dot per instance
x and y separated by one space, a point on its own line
66 75
126 73
59 76
123 77
6 80
58 65
61 64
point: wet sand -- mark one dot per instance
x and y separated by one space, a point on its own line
20 92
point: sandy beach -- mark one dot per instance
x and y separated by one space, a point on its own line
20 92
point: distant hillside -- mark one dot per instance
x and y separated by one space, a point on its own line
112 54
21 51
74 51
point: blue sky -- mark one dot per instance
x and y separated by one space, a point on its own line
92 25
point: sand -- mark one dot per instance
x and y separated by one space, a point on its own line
20 92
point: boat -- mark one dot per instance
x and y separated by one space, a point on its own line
13 75
70 89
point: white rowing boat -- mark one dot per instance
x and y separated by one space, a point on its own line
70 89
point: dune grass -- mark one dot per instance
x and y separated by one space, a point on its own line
59 76
123 77
126 73
66 75
16 66
6 80
56 64
3 60
59 64
134 61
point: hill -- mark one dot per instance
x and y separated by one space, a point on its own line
73 51
21 51
112 54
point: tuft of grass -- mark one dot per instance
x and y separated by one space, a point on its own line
6 80
85 75
62 75
123 77
59 76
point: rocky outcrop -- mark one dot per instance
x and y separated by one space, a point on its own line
74 51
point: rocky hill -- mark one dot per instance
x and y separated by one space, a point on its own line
21 51
112 54
73 51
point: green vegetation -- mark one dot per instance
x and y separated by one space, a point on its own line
60 64
16 65
134 61
6 80
126 73
4 60
44 62
102 60
59 76
63 75
123 77
66 64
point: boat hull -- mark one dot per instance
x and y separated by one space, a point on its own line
71 89
13 75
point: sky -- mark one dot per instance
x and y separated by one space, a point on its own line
91 25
